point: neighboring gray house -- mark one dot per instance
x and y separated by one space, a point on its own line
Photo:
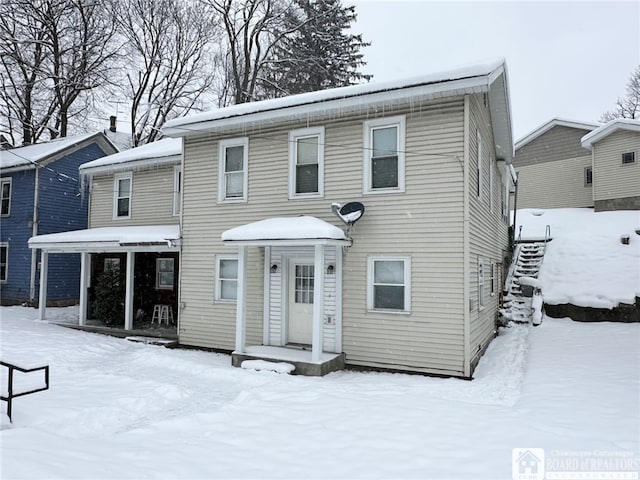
554 170
615 148
134 217
268 271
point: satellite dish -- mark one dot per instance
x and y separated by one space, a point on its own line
351 212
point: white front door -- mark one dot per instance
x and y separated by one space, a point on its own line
301 281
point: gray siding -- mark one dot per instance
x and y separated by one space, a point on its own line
424 223
611 178
151 200
558 143
488 232
555 184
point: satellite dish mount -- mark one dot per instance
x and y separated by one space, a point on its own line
349 213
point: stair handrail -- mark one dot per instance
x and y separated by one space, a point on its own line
11 394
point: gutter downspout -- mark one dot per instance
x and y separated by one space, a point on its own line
34 232
466 245
514 177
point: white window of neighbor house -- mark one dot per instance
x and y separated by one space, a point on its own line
164 273
389 284
4 261
384 155
226 279
588 176
306 163
177 182
493 279
122 184
232 178
479 165
5 191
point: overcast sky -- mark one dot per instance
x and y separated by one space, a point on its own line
565 59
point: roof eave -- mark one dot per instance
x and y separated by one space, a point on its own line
130 165
288 242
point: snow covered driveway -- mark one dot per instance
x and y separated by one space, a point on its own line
117 409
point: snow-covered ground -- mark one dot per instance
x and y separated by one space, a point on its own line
586 264
123 410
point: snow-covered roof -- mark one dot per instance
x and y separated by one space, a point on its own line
123 141
302 229
32 155
109 238
609 128
484 77
167 150
554 122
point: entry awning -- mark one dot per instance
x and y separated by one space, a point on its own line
111 239
301 230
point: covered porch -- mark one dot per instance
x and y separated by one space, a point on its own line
302 294
136 268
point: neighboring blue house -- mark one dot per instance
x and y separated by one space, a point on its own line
41 193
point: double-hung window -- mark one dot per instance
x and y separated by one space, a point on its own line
226 279
177 183
122 184
389 284
588 176
384 156
5 192
4 261
306 163
164 273
480 283
232 178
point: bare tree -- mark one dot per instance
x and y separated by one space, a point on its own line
629 105
53 52
170 61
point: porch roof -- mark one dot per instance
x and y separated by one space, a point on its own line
111 239
301 230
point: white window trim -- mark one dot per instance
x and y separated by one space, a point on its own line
479 166
6 265
2 182
116 192
407 283
480 284
400 122
218 290
294 135
177 190
222 147
173 271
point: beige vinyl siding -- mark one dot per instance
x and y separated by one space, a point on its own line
424 223
488 232
612 179
559 184
151 199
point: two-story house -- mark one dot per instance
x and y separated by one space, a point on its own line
554 170
269 271
615 148
42 194
134 216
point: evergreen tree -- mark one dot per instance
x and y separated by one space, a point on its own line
319 53
108 306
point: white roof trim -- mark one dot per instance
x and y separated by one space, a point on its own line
555 122
301 230
108 239
131 165
607 129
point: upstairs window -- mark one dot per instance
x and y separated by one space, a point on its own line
177 185
5 187
226 279
628 157
588 176
122 196
384 158
4 261
233 156
306 163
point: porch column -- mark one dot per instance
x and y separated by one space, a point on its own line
128 295
241 294
318 304
44 273
84 270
